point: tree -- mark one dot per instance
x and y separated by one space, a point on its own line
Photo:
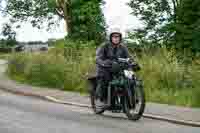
9 34
188 27
37 11
174 23
88 20
72 11
157 16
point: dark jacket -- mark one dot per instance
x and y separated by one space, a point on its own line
105 54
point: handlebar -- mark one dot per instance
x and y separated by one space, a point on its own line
124 61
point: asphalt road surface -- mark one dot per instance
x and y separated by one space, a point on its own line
19 114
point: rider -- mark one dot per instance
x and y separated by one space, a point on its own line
105 55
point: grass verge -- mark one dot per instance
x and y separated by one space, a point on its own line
67 69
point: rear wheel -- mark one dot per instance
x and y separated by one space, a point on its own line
135 113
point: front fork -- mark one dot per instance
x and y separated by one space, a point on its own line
130 90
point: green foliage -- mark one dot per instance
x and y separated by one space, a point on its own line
174 23
84 18
38 69
10 36
4 56
79 43
8 32
36 11
187 27
51 4
88 21
164 83
157 17
54 69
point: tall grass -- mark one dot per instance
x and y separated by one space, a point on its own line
64 68
37 69
67 69
4 55
163 79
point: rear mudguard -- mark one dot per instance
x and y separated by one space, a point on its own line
92 83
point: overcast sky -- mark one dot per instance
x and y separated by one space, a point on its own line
116 13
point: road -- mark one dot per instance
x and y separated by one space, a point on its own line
21 114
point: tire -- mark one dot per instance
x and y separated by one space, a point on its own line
135 116
93 103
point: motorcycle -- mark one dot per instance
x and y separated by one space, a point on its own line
125 91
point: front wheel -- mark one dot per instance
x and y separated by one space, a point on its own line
136 112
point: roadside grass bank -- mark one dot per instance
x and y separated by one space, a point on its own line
68 67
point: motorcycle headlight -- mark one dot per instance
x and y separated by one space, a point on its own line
129 74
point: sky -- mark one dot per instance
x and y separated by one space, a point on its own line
116 13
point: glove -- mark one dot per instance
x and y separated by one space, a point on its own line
108 62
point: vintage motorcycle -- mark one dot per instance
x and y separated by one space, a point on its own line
125 91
